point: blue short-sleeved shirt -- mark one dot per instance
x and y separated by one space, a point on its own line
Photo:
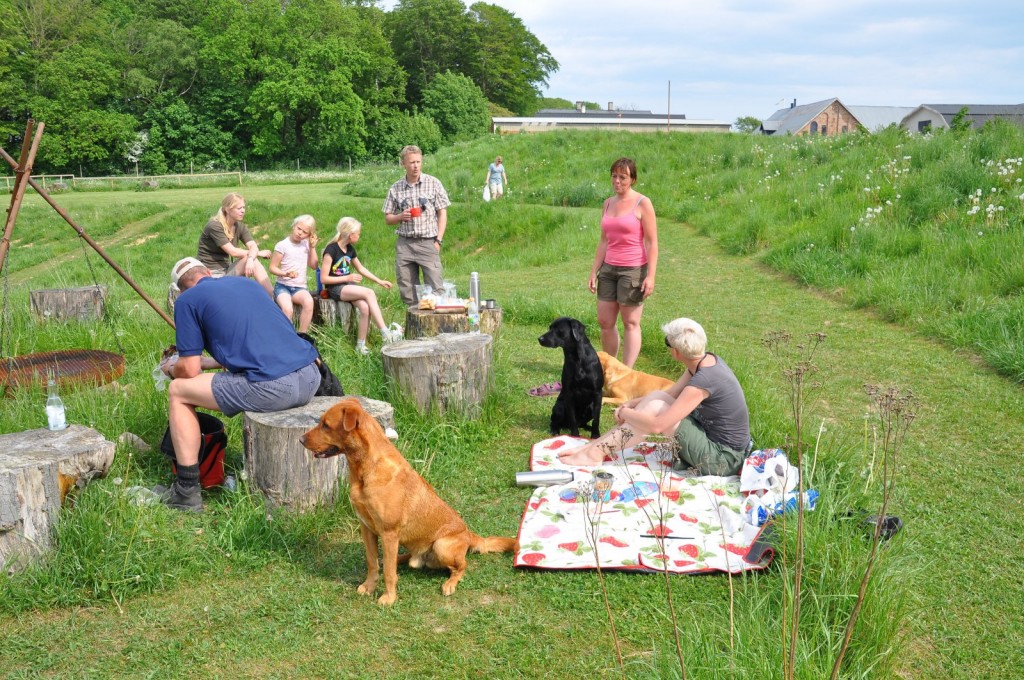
235 320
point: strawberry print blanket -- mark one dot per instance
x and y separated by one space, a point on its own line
652 517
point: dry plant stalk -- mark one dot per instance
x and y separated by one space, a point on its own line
660 510
797 362
592 527
896 412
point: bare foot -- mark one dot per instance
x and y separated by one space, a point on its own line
584 455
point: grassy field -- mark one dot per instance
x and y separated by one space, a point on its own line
143 591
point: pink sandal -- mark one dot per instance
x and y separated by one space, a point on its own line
545 390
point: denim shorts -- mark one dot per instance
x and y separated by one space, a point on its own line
280 289
234 393
621 284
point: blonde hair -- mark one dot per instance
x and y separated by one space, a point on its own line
406 150
687 336
346 225
305 219
222 217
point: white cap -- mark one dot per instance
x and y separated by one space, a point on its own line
182 266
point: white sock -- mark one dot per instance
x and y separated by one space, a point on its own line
360 343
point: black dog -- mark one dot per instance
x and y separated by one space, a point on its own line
579 401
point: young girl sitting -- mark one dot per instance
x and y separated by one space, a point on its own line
341 272
288 263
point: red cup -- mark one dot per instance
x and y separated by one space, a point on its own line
415 211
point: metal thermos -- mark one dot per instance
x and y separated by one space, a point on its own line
543 478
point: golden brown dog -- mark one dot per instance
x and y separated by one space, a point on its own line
622 383
394 503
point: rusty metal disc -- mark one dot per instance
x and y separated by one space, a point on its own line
68 366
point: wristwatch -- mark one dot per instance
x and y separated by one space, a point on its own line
438 241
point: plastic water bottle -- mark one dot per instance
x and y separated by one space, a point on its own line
55 417
474 303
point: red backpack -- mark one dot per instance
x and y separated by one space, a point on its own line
213 442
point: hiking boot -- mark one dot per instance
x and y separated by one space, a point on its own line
174 497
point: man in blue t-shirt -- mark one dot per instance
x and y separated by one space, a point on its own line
268 367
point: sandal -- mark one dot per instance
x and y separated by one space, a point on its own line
545 390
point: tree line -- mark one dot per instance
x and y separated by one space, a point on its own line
189 85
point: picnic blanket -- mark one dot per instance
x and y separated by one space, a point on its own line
652 518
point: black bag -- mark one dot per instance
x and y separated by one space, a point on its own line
212 443
330 386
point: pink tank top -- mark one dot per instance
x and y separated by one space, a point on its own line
625 237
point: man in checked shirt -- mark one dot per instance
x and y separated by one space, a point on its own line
418 204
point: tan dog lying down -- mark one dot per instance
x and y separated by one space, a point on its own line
622 383
393 502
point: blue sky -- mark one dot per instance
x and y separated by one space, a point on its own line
729 58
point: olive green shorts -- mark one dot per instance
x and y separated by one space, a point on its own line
695 450
621 284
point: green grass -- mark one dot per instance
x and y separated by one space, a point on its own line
133 590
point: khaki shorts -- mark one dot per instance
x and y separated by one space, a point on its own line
621 284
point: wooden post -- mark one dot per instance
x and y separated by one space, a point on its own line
451 371
425 323
63 304
280 466
37 470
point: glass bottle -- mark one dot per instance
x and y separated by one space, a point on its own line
473 310
55 417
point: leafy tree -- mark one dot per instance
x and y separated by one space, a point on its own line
430 37
182 140
75 96
395 129
457 106
509 63
747 124
554 103
961 121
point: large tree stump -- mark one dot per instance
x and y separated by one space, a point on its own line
37 470
334 312
451 371
64 304
279 465
426 323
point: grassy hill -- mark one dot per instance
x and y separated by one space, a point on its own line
757 235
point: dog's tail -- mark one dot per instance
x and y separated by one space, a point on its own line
482 544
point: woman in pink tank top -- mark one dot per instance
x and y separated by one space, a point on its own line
625 262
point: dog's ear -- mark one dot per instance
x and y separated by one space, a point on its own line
579 331
350 419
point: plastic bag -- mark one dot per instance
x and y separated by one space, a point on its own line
487 192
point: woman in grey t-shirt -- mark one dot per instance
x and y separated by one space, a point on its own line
705 411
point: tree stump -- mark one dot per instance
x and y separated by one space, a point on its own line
64 304
37 470
334 312
280 466
426 323
450 370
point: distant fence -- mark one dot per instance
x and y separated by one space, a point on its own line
115 181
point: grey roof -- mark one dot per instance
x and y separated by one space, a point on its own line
791 119
978 109
875 118
606 114
978 114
